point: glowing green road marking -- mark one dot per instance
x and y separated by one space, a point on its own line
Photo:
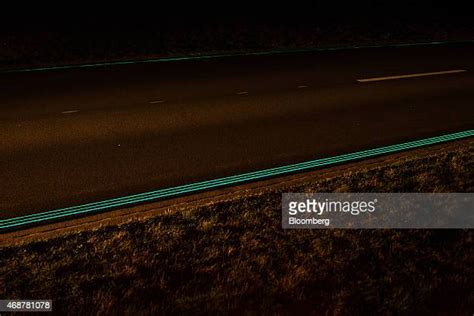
202 57
217 182
236 179
199 186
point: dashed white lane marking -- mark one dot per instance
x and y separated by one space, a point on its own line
302 87
424 74
156 101
70 112
242 92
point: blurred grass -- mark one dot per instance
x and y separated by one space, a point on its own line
233 257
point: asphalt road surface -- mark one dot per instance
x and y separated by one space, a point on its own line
75 136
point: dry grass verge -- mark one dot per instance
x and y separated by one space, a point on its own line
46 48
233 257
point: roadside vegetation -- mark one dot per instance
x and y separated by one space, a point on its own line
234 257
45 47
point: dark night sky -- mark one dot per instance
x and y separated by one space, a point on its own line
126 15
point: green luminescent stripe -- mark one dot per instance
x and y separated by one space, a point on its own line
233 179
211 183
219 182
154 195
187 188
201 57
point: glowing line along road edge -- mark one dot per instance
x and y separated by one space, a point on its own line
226 55
215 183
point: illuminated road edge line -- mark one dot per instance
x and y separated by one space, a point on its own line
260 53
215 183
